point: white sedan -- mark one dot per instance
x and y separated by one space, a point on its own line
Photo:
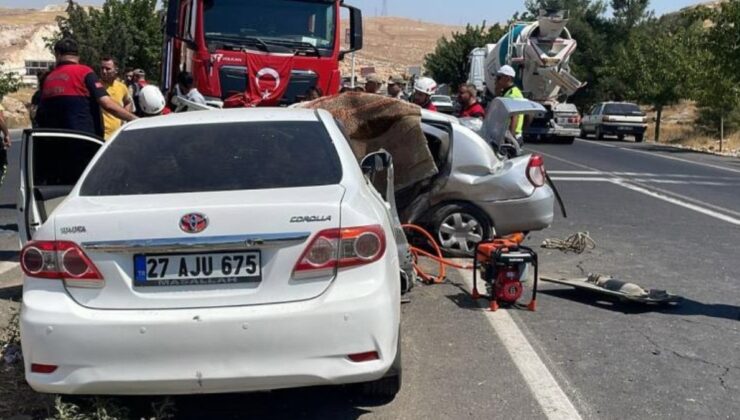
226 251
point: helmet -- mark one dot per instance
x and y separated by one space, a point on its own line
151 100
426 85
506 70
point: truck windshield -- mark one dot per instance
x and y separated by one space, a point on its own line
292 23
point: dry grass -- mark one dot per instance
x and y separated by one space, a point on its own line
27 16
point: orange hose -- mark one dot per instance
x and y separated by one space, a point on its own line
443 262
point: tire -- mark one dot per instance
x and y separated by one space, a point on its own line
639 138
457 227
388 386
620 137
599 134
584 134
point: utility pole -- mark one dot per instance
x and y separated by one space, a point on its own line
384 11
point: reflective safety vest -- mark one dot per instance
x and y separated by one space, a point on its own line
515 93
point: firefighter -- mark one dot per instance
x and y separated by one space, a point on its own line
151 102
424 88
72 95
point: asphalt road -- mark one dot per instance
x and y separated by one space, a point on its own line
661 218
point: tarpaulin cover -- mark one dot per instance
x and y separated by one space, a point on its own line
268 75
373 122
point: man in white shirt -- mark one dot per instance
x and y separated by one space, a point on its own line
186 84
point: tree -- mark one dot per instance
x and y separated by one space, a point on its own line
628 13
655 65
9 83
128 30
449 62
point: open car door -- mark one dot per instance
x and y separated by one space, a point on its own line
51 163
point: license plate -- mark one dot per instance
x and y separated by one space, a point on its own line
197 269
624 128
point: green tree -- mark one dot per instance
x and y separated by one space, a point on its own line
629 13
449 62
655 66
9 83
128 30
718 76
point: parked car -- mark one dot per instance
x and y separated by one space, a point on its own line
477 192
443 103
614 118
237 250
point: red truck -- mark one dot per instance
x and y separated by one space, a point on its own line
258 52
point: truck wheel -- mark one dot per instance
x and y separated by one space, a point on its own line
639 138
388 386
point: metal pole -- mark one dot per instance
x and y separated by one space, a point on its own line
352 83
721 132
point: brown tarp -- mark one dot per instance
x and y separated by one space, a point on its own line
373 122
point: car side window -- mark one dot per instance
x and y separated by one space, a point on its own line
597 111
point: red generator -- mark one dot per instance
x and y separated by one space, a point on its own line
502 263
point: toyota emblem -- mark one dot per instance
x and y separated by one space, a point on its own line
193 223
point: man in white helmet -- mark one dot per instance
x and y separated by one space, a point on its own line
424 88
506 88
151 102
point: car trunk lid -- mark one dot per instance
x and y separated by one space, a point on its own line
263 232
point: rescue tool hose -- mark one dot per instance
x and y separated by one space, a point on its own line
557 194
437 256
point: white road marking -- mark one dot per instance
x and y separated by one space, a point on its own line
551 398
709 165
647 174
645 180
667 196
678 202
581 179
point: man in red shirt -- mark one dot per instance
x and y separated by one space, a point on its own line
72 95
467 96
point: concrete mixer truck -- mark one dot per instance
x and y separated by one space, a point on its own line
540 53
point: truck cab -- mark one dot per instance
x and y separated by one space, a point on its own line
212 39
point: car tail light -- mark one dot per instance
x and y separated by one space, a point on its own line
536 171
61 260
575 120
337 248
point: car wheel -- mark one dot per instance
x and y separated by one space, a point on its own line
584 134
639 138
599 134
566 140
459 227
620 137
389 385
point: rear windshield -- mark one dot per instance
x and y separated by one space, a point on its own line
216 157
622 109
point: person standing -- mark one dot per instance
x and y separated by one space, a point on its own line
424 88
467 97
5 137
506 88
373 83
395 88
186 84
138 81
72 95
117 91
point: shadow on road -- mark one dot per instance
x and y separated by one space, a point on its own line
9 256
330 402
687 307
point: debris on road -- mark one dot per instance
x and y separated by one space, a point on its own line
577 242
624 291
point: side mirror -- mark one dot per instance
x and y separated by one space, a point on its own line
355 30
376 162
171 25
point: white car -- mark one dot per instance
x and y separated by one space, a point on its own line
237 250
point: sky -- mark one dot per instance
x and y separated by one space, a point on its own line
452 12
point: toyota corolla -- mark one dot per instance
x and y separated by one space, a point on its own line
206 252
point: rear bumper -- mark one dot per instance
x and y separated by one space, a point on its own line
227 349
535 212
545 132
617 128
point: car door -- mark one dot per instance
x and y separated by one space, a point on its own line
51 163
